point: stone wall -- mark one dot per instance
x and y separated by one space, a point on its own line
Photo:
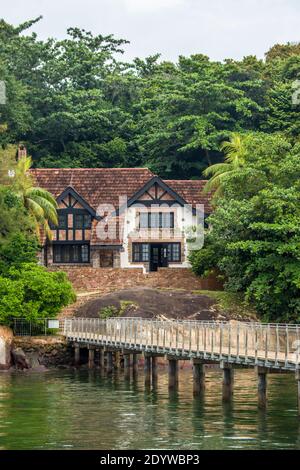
104 280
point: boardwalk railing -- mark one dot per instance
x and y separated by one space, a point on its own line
268 345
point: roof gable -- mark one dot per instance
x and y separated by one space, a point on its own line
71 199
156 191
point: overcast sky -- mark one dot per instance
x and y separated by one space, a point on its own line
218 28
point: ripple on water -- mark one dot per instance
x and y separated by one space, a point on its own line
80 410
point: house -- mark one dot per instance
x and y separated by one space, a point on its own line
121 217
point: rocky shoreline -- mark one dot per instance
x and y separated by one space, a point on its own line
33 353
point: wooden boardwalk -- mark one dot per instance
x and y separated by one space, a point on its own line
273 346
265 347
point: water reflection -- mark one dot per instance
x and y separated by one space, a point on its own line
86 410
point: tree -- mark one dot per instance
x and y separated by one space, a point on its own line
31 292
40 204
235 152
254 235
18 242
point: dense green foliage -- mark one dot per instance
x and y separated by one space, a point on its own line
254 235
26 289
33 293
75 103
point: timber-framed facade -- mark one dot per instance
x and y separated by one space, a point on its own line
120 218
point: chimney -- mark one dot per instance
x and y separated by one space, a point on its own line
22 151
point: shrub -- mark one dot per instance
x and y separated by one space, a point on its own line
108 312
30 291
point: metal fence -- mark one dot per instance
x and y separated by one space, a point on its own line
37 327
246 342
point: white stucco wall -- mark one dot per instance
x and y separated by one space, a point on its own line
183 218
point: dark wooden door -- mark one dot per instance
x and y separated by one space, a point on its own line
158 256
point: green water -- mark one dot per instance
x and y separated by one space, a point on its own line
81 410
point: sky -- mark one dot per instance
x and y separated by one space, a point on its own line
218 28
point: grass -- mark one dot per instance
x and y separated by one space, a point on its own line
112 311
230 303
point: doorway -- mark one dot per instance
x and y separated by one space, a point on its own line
158 256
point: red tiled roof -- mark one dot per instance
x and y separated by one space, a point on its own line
192 192
105 185
95 185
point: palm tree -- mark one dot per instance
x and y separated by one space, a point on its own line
235 153
40 203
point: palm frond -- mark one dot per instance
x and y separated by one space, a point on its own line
35 209
42 193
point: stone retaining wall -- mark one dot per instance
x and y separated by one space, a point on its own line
104 280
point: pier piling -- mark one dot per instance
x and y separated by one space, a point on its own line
198 377
147 369
173 374
127 365
262 386
91 362
109 362
135 364
228 379
77 354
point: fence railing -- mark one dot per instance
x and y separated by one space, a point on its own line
246 342
36 327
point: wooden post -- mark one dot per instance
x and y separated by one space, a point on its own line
91 358
262 386
109 356
228 379
173 374
147 369
154 370
117 360
101 359
77 354
135 364
127 366
199 377
298 389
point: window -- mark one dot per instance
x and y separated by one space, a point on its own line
157 220
71 253
144 222
62 221
140 252
174 252
82 221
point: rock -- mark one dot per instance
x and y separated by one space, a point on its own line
6 339
20 359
